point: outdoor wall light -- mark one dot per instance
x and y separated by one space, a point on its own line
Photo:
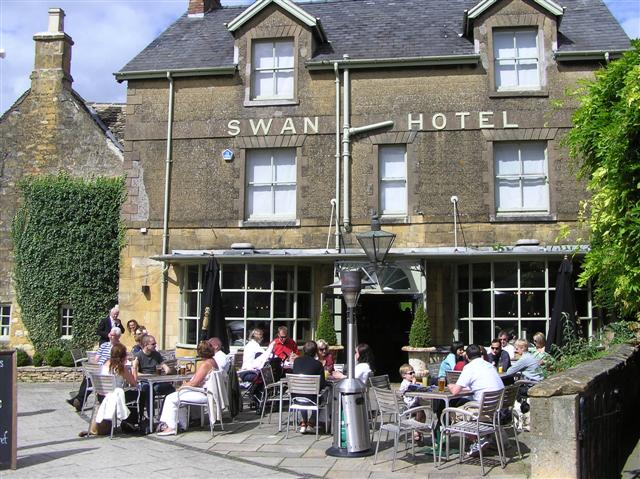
376 243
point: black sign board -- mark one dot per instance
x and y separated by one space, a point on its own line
8 410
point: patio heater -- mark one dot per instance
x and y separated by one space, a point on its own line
350 421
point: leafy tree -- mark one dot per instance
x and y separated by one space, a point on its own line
420 333
325 329
606 141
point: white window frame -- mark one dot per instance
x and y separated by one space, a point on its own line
521 177
516 59
275 70
272 321
273 183
5 319
66 322
389 180
519 290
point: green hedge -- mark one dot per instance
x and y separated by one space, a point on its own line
67 238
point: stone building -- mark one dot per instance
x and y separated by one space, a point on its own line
49 129
235 147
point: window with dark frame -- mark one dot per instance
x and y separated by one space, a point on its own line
5 319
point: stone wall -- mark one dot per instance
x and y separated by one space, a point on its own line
585 420
47 374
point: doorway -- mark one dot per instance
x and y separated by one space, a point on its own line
384 321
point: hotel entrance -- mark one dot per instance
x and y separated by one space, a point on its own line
384 321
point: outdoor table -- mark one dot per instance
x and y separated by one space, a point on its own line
446 396
152 379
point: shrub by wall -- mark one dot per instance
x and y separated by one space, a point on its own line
67 238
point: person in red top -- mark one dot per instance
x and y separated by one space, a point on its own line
283 346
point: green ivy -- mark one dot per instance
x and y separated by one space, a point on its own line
325 329
67 238
420 333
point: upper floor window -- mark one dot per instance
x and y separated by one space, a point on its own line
521 177
271 184
66 321
516 57
5 319
273 68
393 179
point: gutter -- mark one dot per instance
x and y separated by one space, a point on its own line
582 55
175 73
165 216
471 59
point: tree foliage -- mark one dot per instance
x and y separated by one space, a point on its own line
420 333
67 238
325 329
606 141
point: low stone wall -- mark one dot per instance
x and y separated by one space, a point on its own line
585 420
47 374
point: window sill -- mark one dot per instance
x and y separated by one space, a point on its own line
271 102
523 218
269 223
519 93
66 337
394 219
186 346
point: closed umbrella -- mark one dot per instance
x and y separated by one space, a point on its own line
565 302
212 319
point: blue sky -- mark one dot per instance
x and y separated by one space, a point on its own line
109 33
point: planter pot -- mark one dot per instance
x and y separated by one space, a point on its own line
418 359
335 352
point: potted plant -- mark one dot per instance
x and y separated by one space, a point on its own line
419 340
326 331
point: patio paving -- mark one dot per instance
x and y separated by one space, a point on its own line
49 446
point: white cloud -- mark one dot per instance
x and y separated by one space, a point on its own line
109 33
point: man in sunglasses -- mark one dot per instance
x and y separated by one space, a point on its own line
498 356
284 348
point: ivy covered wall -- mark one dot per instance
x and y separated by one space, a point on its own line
67 237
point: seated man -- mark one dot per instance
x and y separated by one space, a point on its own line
308 364
478 376
498 356
283 346
147 361
528 364
220 357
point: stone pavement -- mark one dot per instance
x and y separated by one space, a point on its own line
49 446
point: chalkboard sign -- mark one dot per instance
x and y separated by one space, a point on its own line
8 406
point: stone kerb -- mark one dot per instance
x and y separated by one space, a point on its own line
555 410
47 374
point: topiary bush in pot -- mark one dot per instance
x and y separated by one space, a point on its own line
325 329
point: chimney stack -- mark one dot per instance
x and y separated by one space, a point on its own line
197 8
52 68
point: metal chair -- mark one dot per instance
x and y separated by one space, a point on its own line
506 415
87 371
480 423
401 422
452 376
210 396
271 392
307 385
382 382
79 357
104 384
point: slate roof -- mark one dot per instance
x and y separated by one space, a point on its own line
371 29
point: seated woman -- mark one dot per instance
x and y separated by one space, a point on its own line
539 351
324 356
364 364
456 354
128 338
171 418
252 356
